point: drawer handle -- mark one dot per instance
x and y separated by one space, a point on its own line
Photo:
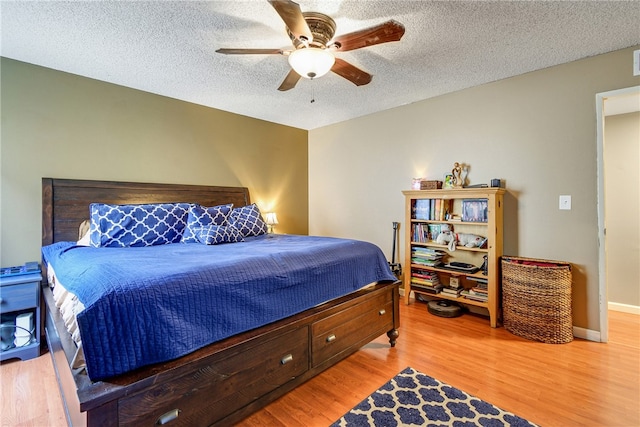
288 358
331 338
168 417
382 312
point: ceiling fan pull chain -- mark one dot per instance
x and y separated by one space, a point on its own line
313 91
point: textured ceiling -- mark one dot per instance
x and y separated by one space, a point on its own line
168 48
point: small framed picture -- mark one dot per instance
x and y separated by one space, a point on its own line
448 181
474 210
454 282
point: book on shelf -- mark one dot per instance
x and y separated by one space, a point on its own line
440 209
426 275
445 207
475 296
420 233
426 256
431 209
455 292
426 262
483 280
427 251
422 209
424 279
435 289
434 230
425 282
481 287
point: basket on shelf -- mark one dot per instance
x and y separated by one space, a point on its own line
536 299
430 185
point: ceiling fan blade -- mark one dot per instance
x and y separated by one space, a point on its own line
290 81
291 14
251 51
390 31
351 73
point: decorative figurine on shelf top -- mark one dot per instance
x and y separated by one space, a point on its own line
458 181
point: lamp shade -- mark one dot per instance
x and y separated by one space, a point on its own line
311 62
270 218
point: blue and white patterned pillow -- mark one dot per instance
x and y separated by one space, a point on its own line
199 216
137 225
216 234
248 220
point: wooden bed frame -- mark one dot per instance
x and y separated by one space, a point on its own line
225 381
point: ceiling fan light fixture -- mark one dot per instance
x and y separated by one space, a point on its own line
311 62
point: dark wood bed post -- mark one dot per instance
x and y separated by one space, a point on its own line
47 211
393 334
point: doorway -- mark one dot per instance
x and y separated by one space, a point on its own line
620 101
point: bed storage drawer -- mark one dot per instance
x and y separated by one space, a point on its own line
351 328
222 386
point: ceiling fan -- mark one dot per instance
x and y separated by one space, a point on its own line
312 35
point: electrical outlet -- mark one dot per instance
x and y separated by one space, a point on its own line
565 203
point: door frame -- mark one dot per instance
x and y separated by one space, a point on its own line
602 265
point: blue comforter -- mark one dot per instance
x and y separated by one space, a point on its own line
152 304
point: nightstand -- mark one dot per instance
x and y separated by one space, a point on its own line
20 316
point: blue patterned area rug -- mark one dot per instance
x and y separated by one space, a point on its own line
412 398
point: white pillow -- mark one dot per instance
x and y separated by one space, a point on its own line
85 237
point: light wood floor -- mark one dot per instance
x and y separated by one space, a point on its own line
581 383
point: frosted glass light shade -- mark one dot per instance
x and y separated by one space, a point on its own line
311 62
270 218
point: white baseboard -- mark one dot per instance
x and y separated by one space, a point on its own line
586 334
625 308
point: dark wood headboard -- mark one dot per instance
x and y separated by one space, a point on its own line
65 202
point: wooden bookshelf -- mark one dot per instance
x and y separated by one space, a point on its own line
487 223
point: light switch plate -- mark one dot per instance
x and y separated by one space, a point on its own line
565 203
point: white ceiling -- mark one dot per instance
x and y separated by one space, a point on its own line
168 48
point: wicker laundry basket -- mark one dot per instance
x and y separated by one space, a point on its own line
536 299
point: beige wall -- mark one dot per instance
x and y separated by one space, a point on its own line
64 126
536 131
622 210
